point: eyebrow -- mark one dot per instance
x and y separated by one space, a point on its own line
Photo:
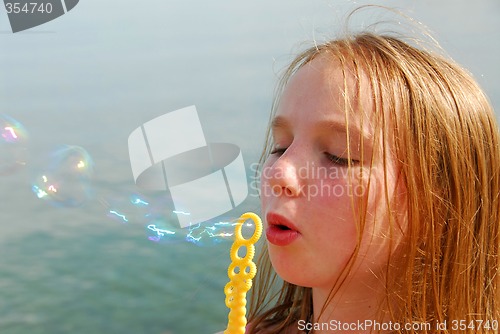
279 122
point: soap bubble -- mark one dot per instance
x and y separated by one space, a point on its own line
148 211
127 208
164 228
211 233
13 145
67 179
158 217
155 213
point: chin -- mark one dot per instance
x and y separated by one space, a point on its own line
294 274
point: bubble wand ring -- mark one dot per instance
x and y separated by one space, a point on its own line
241 271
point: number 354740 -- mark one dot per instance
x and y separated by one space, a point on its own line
28 7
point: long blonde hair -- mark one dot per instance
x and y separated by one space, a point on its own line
448 145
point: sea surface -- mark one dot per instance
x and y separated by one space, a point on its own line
87 79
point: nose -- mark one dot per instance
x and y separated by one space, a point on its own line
283 176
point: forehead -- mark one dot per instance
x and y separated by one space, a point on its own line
325 89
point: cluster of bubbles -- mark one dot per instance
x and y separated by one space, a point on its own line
162 226
202 234
66 180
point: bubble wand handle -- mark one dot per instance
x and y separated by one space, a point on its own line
240 273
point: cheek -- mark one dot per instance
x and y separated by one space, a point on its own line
332 207
343 204
265 176
339 193
385 224
265 191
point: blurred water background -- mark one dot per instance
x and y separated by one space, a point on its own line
92 76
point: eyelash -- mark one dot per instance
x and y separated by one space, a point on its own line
333 158
340 161
279 151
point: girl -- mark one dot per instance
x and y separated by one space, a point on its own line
380 193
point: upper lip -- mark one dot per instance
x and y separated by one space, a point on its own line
274 219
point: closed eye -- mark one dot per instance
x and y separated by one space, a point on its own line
340 161
278 151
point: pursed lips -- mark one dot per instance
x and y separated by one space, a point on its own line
280 230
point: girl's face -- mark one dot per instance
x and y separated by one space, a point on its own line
310 197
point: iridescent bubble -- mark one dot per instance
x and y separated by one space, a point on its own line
206 234
165 229
118 215
155 213
13 145
67 179
127 208
214 232
148 211
139 200
163 225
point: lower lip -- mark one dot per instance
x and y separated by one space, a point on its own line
279 237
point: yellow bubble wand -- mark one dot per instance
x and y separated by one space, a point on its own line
241 271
